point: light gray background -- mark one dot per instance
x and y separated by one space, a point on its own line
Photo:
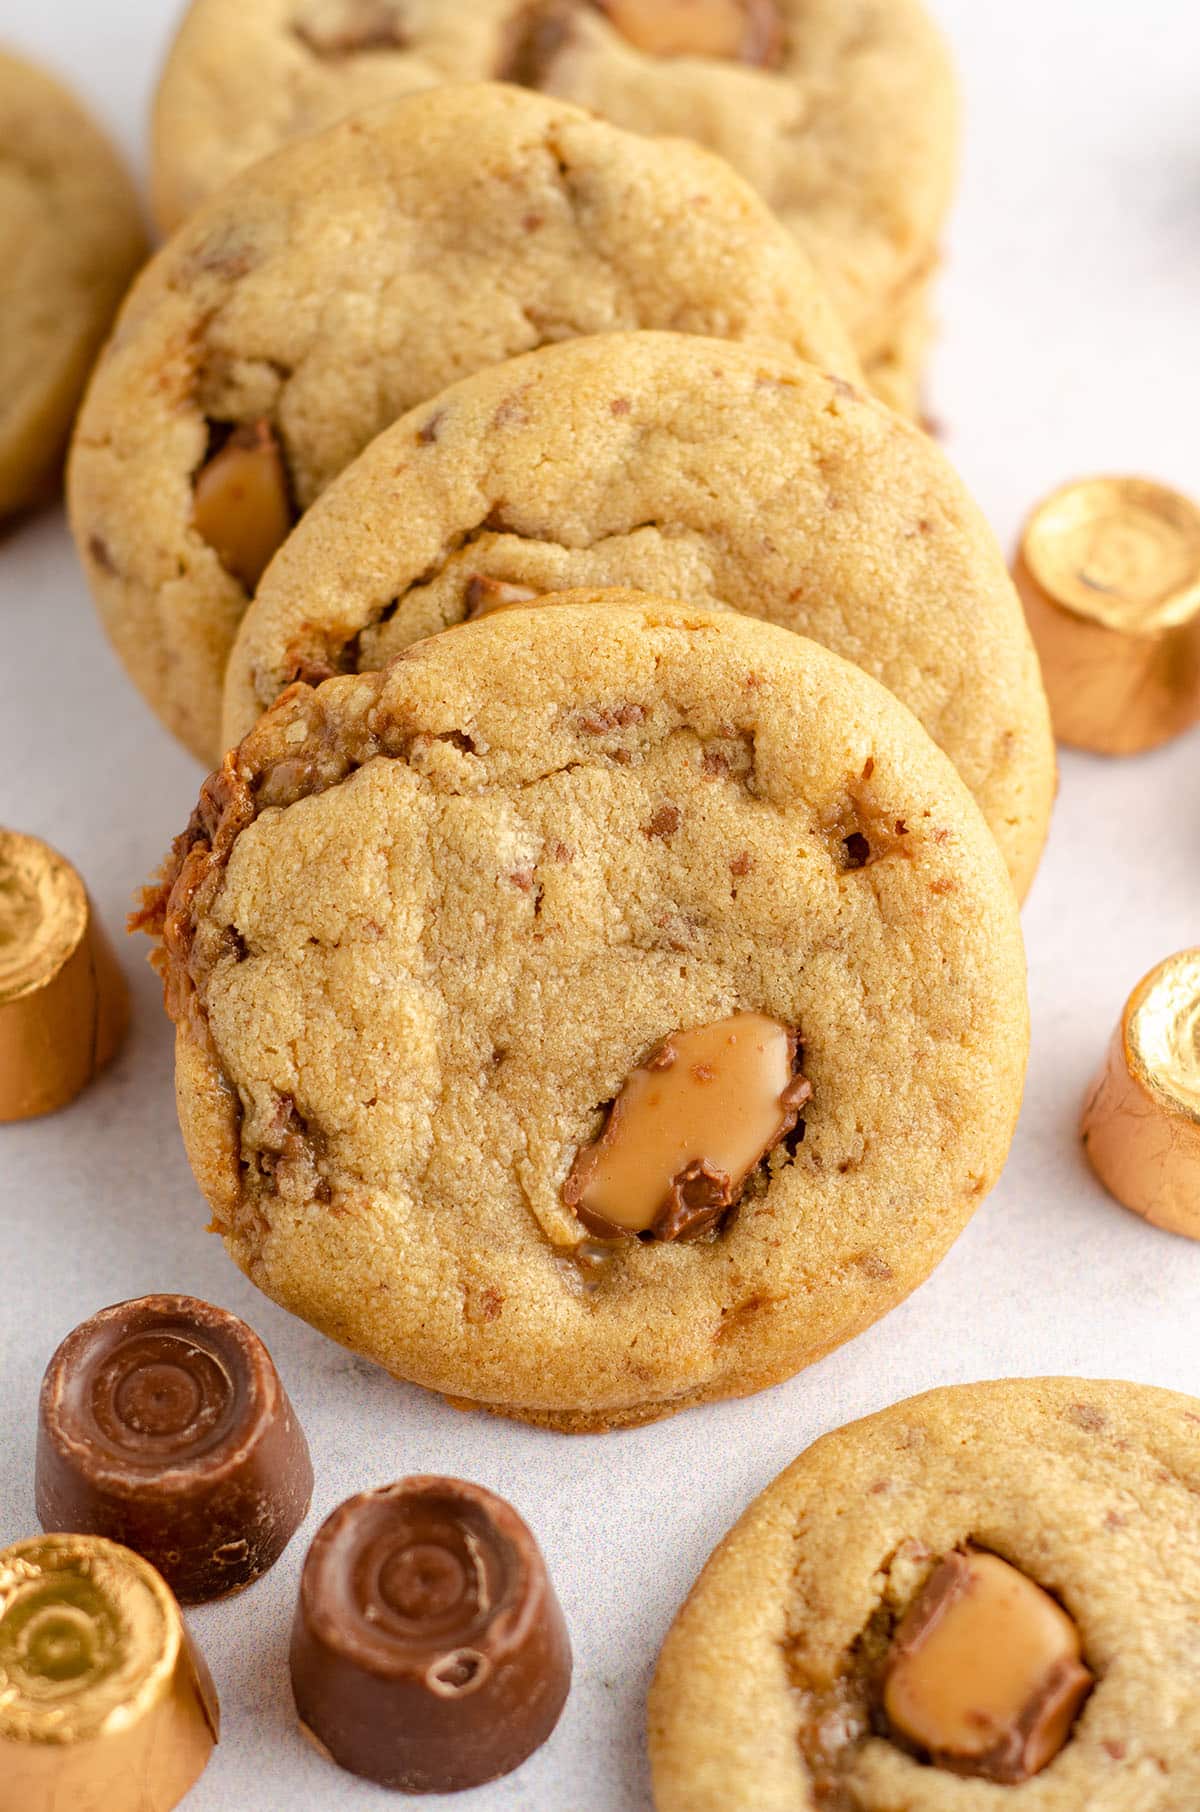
1072 310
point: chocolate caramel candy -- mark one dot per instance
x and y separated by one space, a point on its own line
164 1425
105 1704
1141 1120
985 1674
687 1130
242 503
64 1006
429 1652
1109 573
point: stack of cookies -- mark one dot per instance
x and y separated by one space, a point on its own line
595 954
843 116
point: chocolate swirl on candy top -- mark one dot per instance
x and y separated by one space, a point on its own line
429 1652
164 1425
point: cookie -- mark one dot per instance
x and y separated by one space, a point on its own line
895 370
1009 1569
455 946
717 473
357 274
842 113
71 238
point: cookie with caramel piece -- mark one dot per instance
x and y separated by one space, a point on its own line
843 114
983 1592
603 1008
688 468
350 279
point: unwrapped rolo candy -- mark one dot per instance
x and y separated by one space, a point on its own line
164 1425
429 1652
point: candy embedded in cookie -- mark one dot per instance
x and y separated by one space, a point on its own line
332 288
842 113
429 1652
688 1128
242 503
982 1596
985 1674
576 466
104 1700
748 31
428 921
164 1425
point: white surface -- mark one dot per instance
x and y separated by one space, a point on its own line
1072 304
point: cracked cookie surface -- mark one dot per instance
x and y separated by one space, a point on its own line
688 469
1091 1489
427 921
71 238
347 280
842 113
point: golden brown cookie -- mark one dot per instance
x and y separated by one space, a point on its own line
895 369
716 473
842 113
71 238
980 1596
428 925
349 279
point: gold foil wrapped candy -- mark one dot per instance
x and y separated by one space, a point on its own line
1141 1121
1109 573
64 1005
105 1706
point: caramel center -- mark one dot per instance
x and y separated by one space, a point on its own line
985 1673
699 1115
241 506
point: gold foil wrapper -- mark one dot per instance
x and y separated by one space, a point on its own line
1141 1121
64 1005
1109 573
105 1705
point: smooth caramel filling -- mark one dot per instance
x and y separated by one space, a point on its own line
242 505
688 1128
986 1671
